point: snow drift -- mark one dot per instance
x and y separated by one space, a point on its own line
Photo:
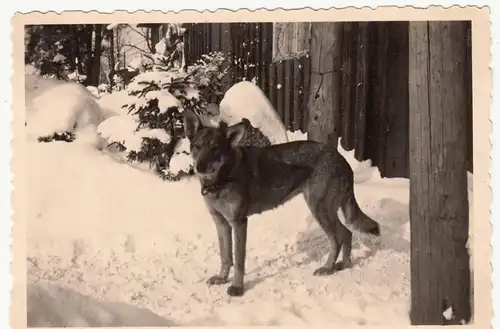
50 305
246 100
54 106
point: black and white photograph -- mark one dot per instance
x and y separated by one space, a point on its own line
332 170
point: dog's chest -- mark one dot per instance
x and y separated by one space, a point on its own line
227 203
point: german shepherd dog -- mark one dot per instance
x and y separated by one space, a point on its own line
237 182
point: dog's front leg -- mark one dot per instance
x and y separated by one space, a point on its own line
240 241
224 235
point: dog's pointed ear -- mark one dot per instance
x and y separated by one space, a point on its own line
235 133
191 123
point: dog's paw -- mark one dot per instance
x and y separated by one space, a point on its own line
235 291
217 280
324 271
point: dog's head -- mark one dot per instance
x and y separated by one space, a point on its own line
211 146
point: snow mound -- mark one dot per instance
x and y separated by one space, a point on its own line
50 305
60 107
94 91
114 101
123 129
246 100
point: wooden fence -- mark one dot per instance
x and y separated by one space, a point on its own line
371 95
374 95
249 46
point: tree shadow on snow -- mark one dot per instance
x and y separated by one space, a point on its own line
49 305
393 217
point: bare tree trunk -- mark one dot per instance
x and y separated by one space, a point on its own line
96 56
87 32
439 208
111 59
78 52
324 108
154 38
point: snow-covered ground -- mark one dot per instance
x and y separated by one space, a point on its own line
112 244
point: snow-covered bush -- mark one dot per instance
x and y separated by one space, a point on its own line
152 130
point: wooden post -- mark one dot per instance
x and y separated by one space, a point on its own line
439 209
226 49
324 107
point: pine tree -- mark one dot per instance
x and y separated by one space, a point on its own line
162 93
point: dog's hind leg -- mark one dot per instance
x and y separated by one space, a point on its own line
224 234
324 209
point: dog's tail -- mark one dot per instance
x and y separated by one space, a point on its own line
357 218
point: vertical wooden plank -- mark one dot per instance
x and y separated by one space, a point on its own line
397 111
303 36
235 28
266 54
199 44
348 94
241 51
290 41
226 48
439 205
324 47
254 50
306 92
245 50
208 38
298 93
468 79
257 54
193 40
203 27
249 58
215 36
288 91
196 39
276 41
272 84
280 90
202 38
371 133
361 89
381 101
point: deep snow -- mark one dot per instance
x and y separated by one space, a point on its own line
118 234
112 244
